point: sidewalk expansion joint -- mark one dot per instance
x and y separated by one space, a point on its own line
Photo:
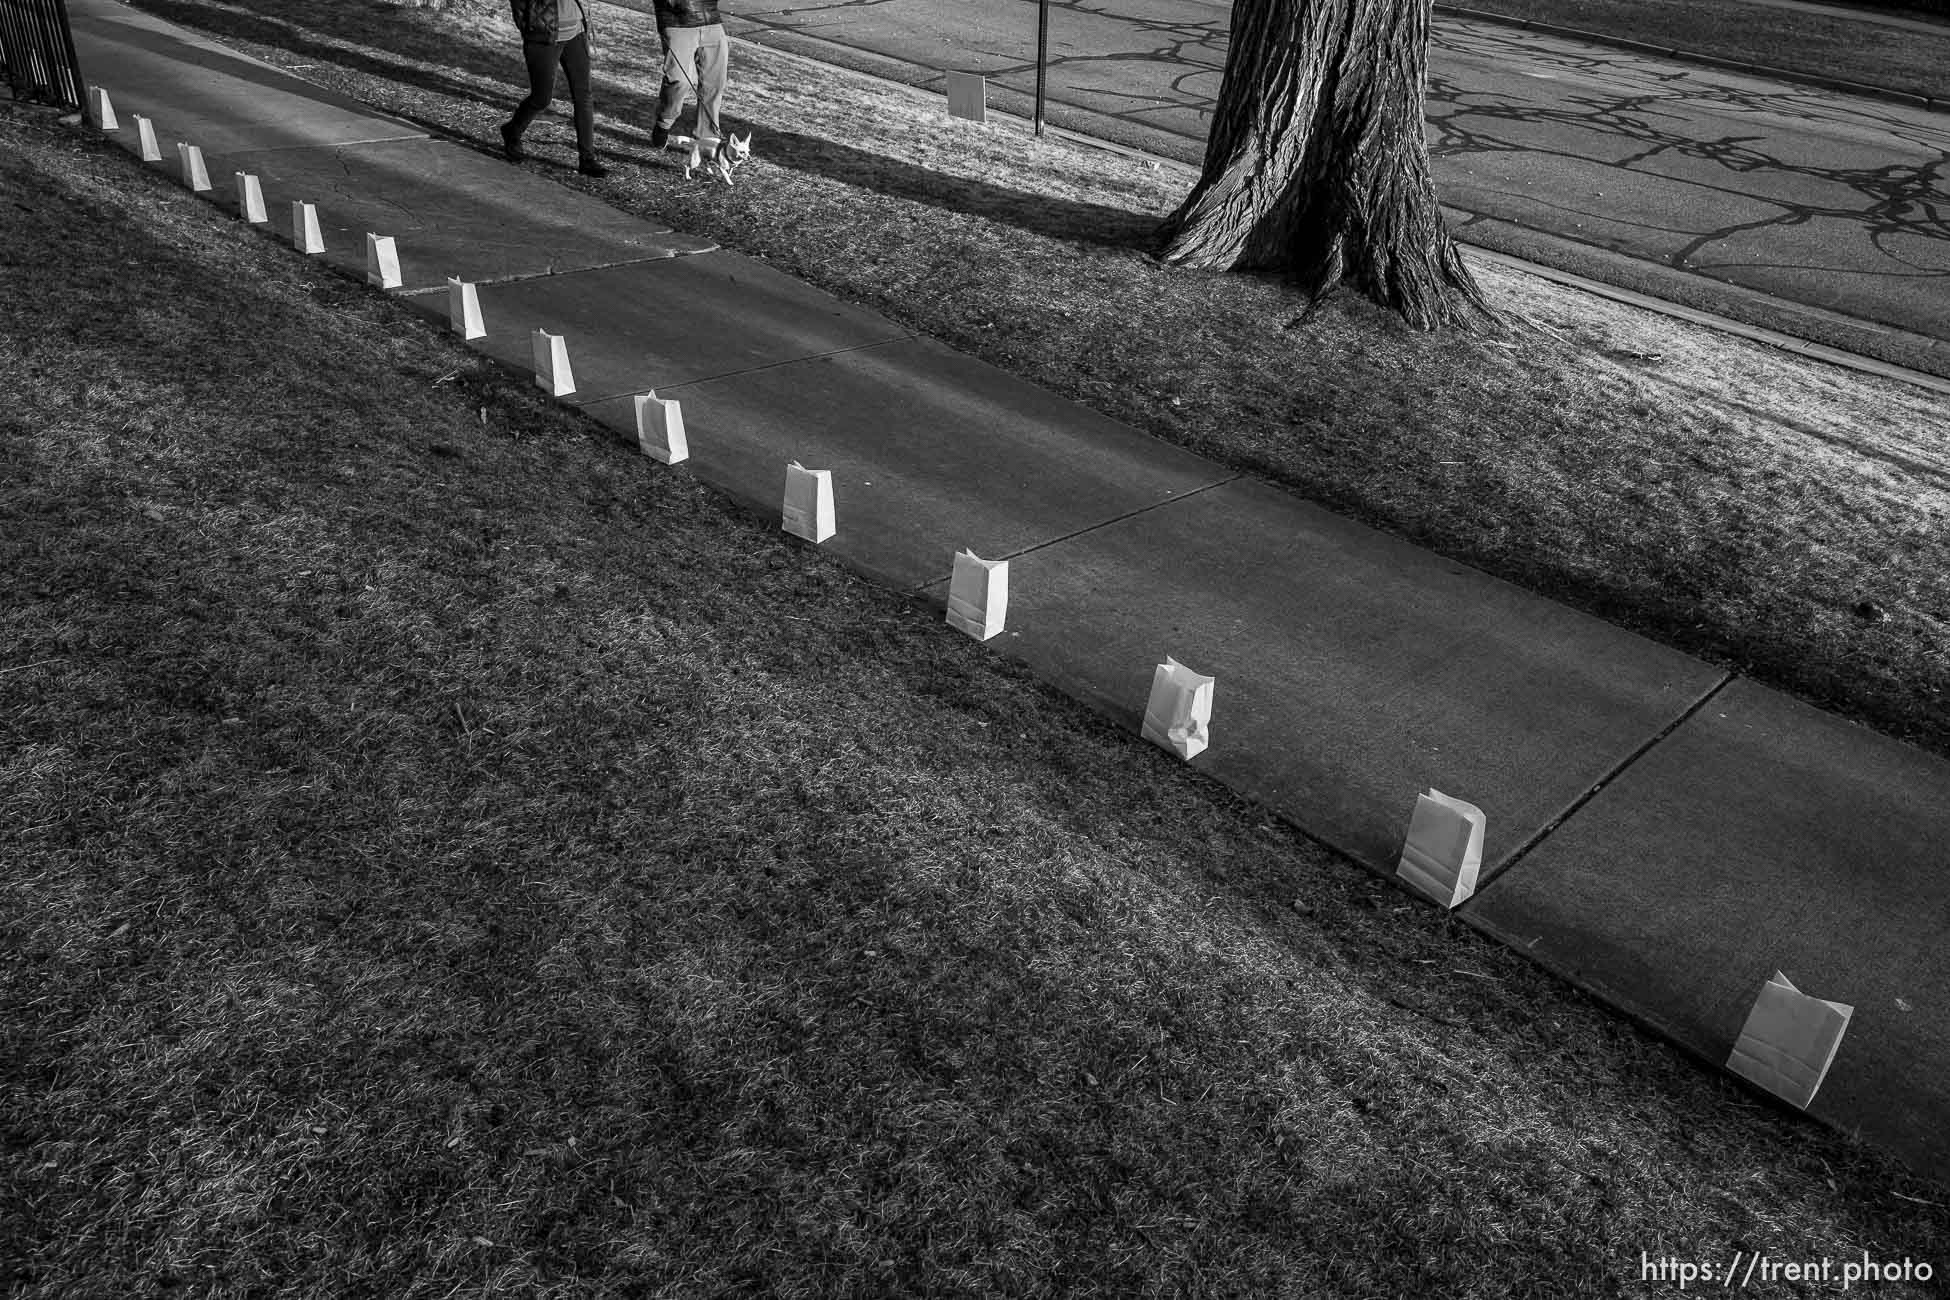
1090 528
1537 837
769 365
492 281
331 145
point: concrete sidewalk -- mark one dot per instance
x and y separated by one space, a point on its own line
1662 835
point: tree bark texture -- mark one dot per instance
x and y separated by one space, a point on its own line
1317 163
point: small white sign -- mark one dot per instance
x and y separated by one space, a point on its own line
968 96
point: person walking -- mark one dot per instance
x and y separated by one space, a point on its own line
696 55
555 33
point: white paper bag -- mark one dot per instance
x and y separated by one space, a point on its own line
660 428
464 308
968 95
250 199
1444 848
382 261
195 175
305 235
808 502
978 595
146 131
104 112
1179 713
1789 1041
552 372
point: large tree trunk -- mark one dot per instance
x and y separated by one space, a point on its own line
1317 163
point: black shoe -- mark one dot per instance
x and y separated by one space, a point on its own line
590 167
659 136
511 143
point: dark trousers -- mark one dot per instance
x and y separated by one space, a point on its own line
573 55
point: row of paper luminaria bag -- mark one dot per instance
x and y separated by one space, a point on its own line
1789 1040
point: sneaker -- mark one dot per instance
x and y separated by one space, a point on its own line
659 136
511 143
590 167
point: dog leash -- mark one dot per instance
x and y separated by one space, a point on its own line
717 127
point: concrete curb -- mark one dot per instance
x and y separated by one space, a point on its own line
1926 102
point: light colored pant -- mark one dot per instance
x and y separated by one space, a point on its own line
695 59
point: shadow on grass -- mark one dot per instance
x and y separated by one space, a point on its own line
1038 214
860 168
291 39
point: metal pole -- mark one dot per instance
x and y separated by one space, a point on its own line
1042 57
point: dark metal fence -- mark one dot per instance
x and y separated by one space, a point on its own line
37 51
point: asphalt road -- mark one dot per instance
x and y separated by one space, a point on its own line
1790 207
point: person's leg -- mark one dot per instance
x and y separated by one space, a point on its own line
712 58
680 56
575 66
541 60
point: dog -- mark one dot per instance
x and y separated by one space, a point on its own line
734 151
